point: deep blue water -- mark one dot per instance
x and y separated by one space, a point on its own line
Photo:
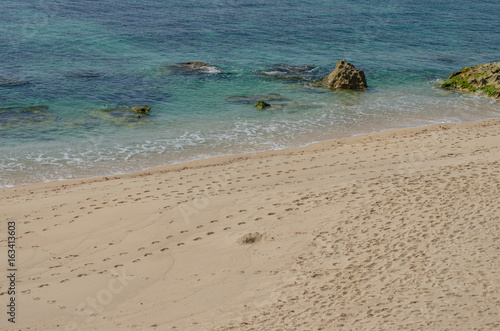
404 47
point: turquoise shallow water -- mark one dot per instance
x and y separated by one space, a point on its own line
404 48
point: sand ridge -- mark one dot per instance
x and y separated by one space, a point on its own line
395 230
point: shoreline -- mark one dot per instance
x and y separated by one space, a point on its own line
392 230
212 160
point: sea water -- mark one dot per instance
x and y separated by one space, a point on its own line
124 49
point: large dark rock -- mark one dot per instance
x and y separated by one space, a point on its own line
285 72
484 78
4 82
345 76
193 68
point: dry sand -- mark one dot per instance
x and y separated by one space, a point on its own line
395 230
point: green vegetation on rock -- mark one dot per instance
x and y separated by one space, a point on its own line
262 104
485 77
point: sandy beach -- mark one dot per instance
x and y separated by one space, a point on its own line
393 230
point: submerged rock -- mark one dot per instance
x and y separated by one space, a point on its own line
85 74
4 82
193 68
345 76
262 104
252 99
286 72
484 77
141 109
24 116
122 115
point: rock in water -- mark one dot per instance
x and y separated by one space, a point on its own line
85 74
122 115
285 72
262 104
193 68
24 116
4 82
345 76
484 77
141 109
252 99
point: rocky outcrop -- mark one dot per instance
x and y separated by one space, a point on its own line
284 72
345 76
484 78
193 68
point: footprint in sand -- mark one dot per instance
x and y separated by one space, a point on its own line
209 233
164 249
43 285
196 239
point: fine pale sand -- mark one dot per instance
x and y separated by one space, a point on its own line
395 230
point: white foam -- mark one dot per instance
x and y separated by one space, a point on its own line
212 70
